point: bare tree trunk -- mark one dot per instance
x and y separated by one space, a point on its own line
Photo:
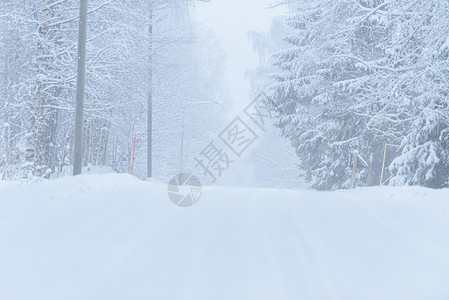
104 143
40 151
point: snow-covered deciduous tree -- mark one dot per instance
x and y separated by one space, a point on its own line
38 78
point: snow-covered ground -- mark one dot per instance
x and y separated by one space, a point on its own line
107 237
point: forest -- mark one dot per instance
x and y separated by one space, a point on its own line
136 51
365 76
370 76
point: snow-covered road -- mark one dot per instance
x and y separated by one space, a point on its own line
113 237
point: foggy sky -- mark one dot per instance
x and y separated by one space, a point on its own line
231 20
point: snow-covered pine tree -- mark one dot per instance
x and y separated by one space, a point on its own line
424 49
320 110
361 74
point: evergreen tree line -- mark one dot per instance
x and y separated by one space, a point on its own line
356 75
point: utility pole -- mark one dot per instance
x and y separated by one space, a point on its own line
150 97
80 88
150 92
